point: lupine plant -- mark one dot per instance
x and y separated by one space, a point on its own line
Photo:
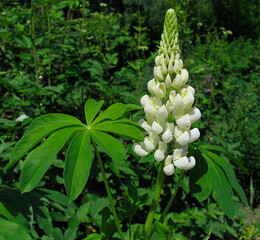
166 133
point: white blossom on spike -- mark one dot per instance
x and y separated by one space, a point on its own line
157 128
177 82
168 81
169 169
183 139
194 115
167 136
154 138
151 85
138 150
147 145
184 76
184 122
158 155
144 100
150 110
158 73
144 125
194 135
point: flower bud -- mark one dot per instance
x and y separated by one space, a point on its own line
169 169
157 71
183 139
185 163
164 69
168 81
177 82
194 134
194 115
159 90
184 76
177 106
154 138
158 155
177 66
163 146
188 100
156 128
170 67
151 85
138 150
167 136
191 90
172 95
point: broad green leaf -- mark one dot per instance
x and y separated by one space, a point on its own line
113 112
222 162
27 41
40 128
221 149
222 191
10 231
92 108
39 160
200 178
53 118
131 107
110 145
77 164
94 236
126 121
120 129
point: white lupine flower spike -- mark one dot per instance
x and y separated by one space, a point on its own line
168 110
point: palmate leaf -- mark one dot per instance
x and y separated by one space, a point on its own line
92 108
120 129
113 112
221 191
39 160
78 163
110 145
40 128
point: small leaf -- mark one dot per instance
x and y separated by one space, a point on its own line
94 236
222 191
78 163
120 129
39 160
92 108
110 145
113 112
221 161
10 231
40 128
27 41
131 107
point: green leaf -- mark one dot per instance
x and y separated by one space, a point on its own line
27 41
120 129
110 145
10 231
94 236
222 191
223 162
53 118
39 160
221 149
92 108
131 107
77 164
40 128
200 178
113 112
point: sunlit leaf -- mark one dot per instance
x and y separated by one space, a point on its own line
39 160
92 108
78 163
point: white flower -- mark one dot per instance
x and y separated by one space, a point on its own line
168 81
159 90
168 160
151 85
177 82
167 136
194 115
147 145
162 112
183 138
144 125
184 76
157 71
194 135
138 150
145 100
158 155
184 122
185 163
149 109
169 169
177 106
156 128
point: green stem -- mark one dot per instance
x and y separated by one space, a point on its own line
113 209
174 194
158 187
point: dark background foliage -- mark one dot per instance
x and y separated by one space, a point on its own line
57 54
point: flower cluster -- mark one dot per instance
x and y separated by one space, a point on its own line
169 112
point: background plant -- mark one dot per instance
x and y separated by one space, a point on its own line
85 49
